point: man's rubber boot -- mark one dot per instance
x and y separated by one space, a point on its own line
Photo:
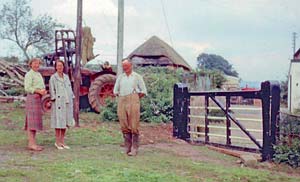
135 145
127 142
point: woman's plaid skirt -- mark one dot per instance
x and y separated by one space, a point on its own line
33 109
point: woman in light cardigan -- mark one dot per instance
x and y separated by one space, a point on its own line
35 89
62 104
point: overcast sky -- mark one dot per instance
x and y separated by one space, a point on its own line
255 36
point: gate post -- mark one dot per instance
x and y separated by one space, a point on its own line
275 108
180 111
228 122
265 98
206 119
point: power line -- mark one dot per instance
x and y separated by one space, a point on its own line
166 21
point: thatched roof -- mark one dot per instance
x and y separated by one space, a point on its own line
154 50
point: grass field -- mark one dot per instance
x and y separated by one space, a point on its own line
96 155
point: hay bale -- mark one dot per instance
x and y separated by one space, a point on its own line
87 45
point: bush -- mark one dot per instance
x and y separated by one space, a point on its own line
157 106
217 113
289 125
15 91
288 150
288 154
109 112
18 104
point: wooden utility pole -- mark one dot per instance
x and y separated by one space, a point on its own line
77 74
120 36
294 43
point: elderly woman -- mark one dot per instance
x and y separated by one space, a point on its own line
35 89
62 104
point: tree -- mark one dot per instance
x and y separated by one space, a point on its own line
215 62
35 35
217 78
11 59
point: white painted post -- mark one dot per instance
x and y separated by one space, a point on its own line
120 36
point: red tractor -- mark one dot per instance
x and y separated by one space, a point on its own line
95 86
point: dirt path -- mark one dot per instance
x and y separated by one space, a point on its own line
187 150
159 137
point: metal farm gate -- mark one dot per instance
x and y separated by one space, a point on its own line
225 118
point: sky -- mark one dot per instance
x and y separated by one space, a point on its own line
255 36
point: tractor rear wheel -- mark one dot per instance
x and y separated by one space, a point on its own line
46 103
101 88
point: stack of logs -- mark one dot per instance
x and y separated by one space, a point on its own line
11 76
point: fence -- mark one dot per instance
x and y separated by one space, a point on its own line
186 125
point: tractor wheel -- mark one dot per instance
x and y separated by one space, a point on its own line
101 88
46 103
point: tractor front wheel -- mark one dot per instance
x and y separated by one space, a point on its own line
101 89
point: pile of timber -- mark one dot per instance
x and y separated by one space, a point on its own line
11 75
7 99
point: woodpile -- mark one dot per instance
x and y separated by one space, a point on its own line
11 76
7 99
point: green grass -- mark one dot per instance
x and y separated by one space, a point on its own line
96 155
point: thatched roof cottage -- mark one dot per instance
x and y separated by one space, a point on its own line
155 52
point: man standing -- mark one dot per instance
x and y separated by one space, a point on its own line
129 87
